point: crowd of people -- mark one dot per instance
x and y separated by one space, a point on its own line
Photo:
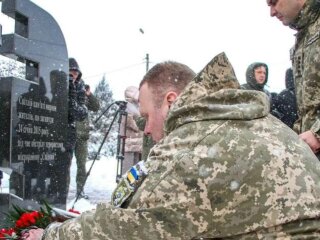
223 166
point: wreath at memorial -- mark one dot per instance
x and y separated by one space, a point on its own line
20 220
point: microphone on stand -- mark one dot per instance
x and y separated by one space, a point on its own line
121 103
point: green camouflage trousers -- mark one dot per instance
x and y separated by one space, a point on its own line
81 154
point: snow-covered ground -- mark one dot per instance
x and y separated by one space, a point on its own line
99 185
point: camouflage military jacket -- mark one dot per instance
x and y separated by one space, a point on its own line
306 67
226 169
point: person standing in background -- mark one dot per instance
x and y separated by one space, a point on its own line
257 77
304 16
82 130
132 96
133 143
285 103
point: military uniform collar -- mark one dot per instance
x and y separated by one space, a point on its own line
308 14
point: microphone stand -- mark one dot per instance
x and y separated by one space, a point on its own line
121 138
122 107
104 112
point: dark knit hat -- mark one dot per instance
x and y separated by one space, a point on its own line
73 65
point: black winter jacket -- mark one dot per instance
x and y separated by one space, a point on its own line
77 110
285 103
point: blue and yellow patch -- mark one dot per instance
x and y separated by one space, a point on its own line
128 184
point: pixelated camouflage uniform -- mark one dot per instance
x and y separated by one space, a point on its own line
306 67
226 169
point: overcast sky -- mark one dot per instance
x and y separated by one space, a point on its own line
104 36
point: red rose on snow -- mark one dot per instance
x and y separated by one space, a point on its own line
73 211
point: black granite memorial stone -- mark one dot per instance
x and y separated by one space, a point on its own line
0 35
33 117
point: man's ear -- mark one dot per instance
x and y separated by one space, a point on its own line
170 98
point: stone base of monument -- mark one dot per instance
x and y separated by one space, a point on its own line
8 199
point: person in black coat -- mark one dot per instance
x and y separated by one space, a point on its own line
285 104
